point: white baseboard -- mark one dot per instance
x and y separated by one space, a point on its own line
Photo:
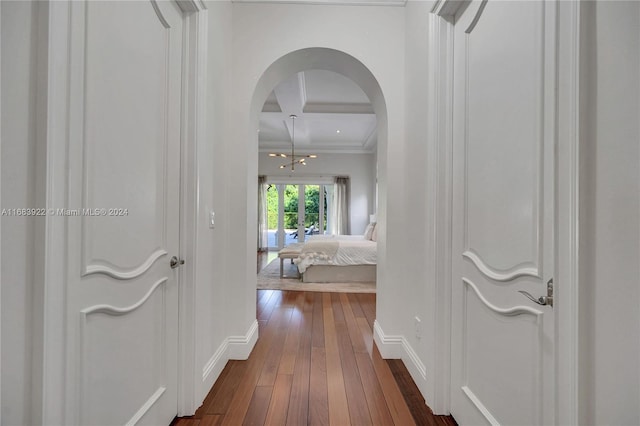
397 347
240 347
233 347
214 366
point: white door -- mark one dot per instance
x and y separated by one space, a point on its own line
124 157
504 133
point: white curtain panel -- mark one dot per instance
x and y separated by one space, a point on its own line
262 213
340 207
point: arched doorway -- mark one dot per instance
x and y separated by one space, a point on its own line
348 66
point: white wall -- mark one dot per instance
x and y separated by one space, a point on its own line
212 327
359 167
18 153
610 214
418 297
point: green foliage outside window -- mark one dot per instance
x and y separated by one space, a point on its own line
312 203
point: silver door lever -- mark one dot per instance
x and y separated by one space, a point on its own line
542 300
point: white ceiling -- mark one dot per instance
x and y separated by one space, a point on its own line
334 115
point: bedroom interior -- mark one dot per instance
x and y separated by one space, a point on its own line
308 210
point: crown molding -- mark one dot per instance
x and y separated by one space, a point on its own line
325 150
395 3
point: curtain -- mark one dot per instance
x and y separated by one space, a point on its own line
340 207
263 243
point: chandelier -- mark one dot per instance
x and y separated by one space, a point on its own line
293 159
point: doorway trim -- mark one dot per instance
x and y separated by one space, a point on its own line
193 136
441 25
440 113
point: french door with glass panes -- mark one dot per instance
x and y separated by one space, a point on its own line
294 213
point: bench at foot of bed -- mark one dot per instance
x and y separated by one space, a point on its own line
292 251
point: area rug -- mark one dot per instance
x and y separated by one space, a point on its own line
269 279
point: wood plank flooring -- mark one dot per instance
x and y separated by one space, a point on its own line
315 363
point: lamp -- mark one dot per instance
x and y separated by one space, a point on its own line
295 159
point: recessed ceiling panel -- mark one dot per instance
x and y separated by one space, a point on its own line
337 128
327 87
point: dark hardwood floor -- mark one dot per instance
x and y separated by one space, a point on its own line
315 363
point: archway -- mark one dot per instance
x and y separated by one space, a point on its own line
319 58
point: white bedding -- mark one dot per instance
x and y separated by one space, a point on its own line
335 237
337 252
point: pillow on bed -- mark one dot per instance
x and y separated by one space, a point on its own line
374 234
368 232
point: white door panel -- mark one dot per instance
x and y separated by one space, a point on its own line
127 132
504 79
124 158
504 103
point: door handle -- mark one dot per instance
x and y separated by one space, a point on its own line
174 262
542 300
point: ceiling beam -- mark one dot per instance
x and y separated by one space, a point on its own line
342 108
315 115
372 139
292 95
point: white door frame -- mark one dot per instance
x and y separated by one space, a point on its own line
193 136
49 402
301 213
440 114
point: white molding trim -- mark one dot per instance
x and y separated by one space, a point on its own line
190 6
51 405
216 362
303 89
440 114
348 150
516 310
398 347
521 270
233 347
193 135
567 171
395 3
161 17
480 406
146 406
128 274
0 221
240 347
115 311
476 18
371 140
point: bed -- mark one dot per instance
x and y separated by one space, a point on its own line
338 258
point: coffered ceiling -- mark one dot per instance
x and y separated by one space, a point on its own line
333 115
